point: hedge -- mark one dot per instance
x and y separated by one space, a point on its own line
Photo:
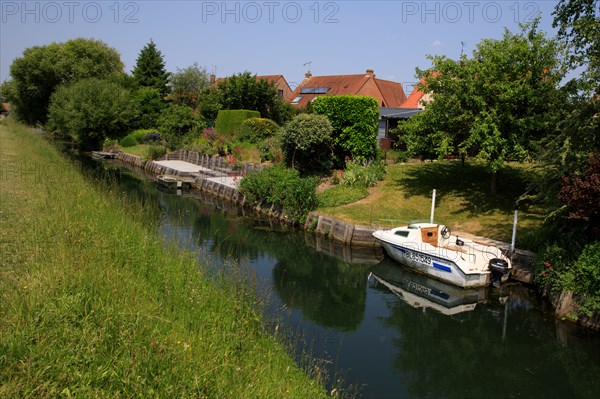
355 121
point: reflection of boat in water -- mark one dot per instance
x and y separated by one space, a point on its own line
420 291
430 249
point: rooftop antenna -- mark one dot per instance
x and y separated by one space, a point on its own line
309 64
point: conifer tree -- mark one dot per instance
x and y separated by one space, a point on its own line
150 70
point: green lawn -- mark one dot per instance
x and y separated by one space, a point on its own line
463 201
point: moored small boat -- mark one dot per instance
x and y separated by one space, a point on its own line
103 155
175 182
431 249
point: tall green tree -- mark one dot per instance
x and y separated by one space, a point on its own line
578 22
496 105
91 110
188 84
245 91
576 140
41 69
150 105
149 70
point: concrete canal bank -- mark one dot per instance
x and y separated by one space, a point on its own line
214 176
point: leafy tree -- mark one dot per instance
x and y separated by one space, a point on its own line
307 144
150 105
579 27
177 121
355 123
40 70
149 70
244 91
210 104
495 106
90 110
187 85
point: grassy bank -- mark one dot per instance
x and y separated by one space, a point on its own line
463 201
93 304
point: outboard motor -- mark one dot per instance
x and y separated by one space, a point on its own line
500 270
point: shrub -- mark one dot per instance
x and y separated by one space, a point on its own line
283 188
229 121
255 130
355 122
270 148
306 144
139 134
152 138
128 141
155 152
583 278
176 122
363 175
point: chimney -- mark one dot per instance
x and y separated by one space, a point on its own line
307 75
370 73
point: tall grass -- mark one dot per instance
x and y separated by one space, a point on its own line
93 304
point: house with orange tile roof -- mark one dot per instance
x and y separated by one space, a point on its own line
387 93
283 88
417 98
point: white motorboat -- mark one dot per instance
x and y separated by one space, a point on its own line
431 249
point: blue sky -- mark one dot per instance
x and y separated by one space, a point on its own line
271 37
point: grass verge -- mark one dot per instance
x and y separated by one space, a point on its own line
93 304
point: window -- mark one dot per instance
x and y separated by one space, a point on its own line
279 93
296 100
402 233
314 90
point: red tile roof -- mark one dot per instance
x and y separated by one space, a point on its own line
387 93
414 99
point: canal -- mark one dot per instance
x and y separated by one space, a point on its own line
377 330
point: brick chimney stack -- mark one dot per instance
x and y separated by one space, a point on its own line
370 73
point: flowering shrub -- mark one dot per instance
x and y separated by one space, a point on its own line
152 138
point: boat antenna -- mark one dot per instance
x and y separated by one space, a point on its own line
432 206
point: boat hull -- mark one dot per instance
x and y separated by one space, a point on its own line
434 265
